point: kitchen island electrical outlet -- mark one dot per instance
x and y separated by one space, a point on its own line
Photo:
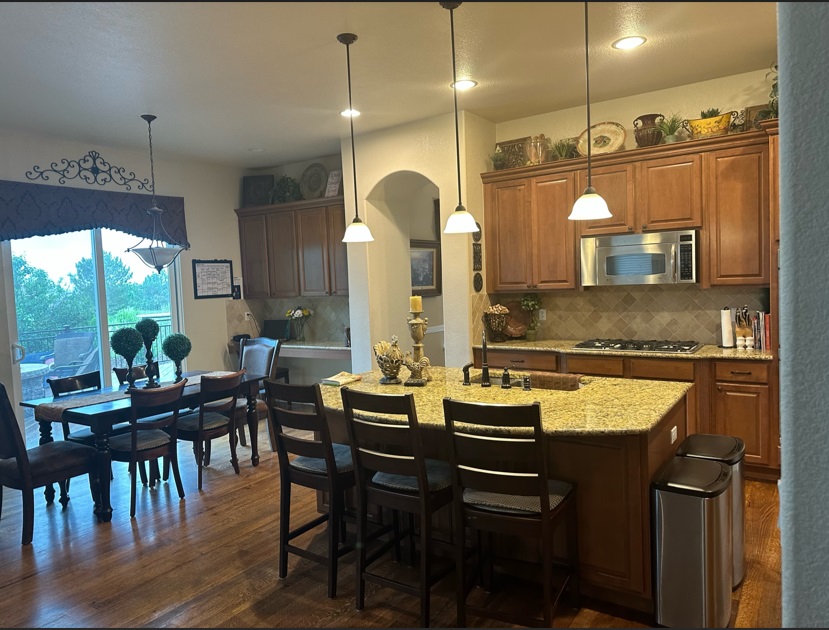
673 435
542 314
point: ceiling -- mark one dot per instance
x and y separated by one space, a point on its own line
227 77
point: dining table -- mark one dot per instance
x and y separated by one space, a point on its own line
103 408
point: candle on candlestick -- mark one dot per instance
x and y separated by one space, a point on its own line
416 304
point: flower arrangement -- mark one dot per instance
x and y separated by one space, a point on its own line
299 316
531 303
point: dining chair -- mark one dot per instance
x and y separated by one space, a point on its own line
213 418
308 458
258 355
26 469
153 425
499 477
392 472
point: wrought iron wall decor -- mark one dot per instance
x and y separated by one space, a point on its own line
477 257
91 168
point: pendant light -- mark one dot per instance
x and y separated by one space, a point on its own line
161 250
357 231
590 205
460 221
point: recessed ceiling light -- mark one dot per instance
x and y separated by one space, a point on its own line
464 84
256 150
350 113
626 43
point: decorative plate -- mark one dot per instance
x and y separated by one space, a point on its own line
313 181
476 236
607 137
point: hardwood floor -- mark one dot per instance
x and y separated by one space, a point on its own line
210 560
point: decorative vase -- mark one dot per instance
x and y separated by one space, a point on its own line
178 371
130 373
300 328
389 359
670 139
150 370
646 130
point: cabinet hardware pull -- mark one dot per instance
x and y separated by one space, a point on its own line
517 360
630 228
740 373
644 226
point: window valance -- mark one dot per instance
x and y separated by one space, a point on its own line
39 210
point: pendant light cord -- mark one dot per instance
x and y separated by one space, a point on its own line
587 75
351 125
455 95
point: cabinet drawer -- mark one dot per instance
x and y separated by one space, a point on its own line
662 370
598 366
741 371
520 360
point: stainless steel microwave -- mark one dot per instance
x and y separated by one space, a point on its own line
652 258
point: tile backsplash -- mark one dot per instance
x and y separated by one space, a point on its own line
326 324
637 312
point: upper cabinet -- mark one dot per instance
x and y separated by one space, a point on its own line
294 249
719 186
531 243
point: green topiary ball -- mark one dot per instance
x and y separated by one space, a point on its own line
177 346
148 329
126 342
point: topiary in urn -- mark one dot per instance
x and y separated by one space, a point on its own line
148 328
127 342
177 346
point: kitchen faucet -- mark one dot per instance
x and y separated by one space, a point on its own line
484 365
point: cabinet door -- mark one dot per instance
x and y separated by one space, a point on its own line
669 193
553 235
254 250
337 250
774 187
282 255
615 185
508 222
737 215
313 252
742 410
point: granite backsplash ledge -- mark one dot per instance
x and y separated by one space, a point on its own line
328 322
640 312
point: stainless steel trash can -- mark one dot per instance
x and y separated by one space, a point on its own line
729 450
691 503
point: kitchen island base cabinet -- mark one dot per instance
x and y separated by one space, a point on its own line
612 474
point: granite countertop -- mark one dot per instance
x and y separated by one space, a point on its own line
316 345
566 346
602 406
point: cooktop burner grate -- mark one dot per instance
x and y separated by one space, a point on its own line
637 345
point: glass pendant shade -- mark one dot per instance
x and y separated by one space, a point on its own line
590 206
460 222
357 232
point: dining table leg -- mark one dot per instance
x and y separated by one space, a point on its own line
253 425
45 427
103 509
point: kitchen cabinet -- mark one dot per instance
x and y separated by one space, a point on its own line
294 249
615 185
669 193
528 360
737 216
741 407
531 243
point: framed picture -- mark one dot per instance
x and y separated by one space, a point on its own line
256 190
425 267
212 279
334 185
513 150
751 116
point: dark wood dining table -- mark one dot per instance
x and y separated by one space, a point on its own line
100 417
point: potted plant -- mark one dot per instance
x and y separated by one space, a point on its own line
126 342
771 110
563 149
177 346
711 122
670 126
499 159
148 328
285 189
530 303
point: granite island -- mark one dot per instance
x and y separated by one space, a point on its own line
609 437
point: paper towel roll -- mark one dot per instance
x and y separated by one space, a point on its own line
726 328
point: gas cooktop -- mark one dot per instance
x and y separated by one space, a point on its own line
636 345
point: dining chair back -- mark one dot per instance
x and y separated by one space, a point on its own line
501 485
392 472
27 469
86 382
213 418
153 432
308 458
258 355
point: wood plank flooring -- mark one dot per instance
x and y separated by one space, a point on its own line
210 560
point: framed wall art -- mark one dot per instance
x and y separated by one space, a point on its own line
212 279
514 152
425 267
256 190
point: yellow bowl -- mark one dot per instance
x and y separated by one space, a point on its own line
710 127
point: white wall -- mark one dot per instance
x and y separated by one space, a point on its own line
210 191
